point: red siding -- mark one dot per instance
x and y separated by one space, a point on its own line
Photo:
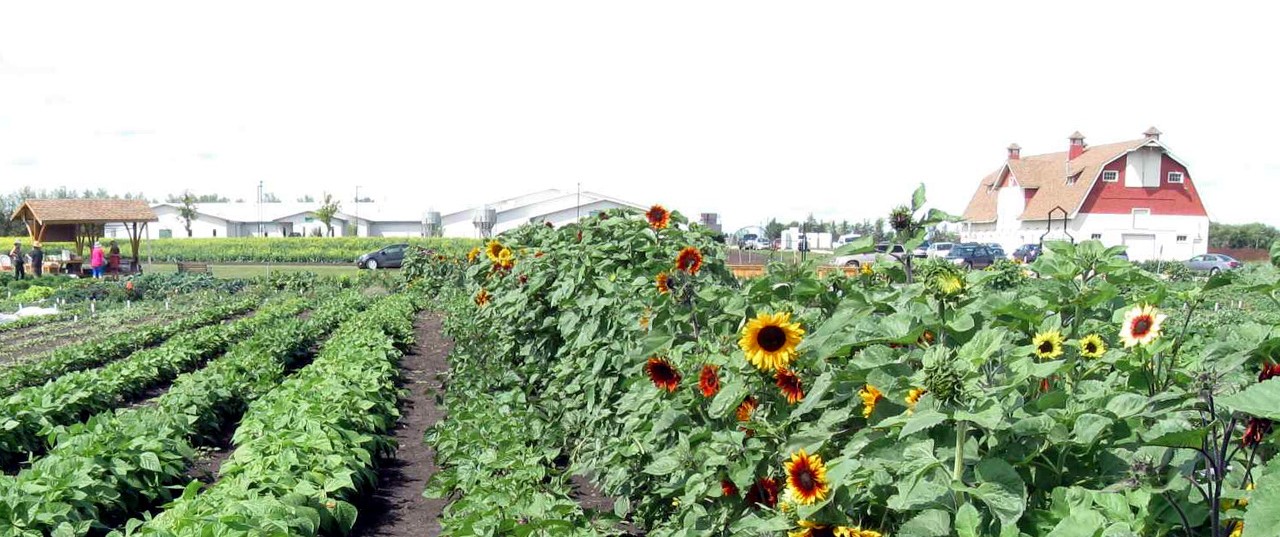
1027 193
1170 199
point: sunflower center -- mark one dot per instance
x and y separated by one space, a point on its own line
1090 348
805 478
1141 326
771 338
1046 347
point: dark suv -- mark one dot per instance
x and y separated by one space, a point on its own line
389 257
1027 253
971 255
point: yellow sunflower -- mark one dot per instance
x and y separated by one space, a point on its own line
870 396
473 254
1092 346
505 259
492 250
913 397
1048 345
1141 325
1238 529
806 478
813 529
769 341
865 270
950 284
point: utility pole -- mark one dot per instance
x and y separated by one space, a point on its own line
261 232
357 210
578 208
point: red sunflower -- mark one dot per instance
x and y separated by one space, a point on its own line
746 408
1256 430
662 282
728 489
764 492
482 298
658 216
689 260
791 385
1269 372
807 477
663 374
709 380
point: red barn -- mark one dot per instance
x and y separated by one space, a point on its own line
1135 193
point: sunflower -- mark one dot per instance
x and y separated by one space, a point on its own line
1269 372
764 492
1256 430
913 397
746 408
709 380
1092 346
492 249
473 254
865 270
806 478
1141 325
663 374
505 260
644 320
769 341
728 489
870 396
1048 345
482 298
813 529
950 284
1238 529
926 339
661 281
689 260
790 384
658 217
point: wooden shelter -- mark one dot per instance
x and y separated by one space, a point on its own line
84 220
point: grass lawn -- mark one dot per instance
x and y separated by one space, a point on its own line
250 271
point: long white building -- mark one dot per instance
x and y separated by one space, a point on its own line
372 219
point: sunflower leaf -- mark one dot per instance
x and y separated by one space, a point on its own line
1261 400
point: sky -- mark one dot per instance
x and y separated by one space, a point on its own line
744 108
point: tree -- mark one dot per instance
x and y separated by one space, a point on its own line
773 229
188 211
268 197
326 212
306 199
199 198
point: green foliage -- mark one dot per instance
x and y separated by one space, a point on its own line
34 293
1006 274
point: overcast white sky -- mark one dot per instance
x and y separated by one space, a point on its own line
749 109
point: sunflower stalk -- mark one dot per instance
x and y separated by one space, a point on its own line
957 467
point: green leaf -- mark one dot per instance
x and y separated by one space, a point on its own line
1261 400
1275 253
345 514
860 245
917 198
921 420
1001 490
1192 439
1262 518
730 396
929 523
149 461
815 395
1081 523
968 519
662 466
621 507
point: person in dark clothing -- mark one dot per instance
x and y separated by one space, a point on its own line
16 255
37 259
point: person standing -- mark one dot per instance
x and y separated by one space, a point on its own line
37 258
16 255
97 258
113 261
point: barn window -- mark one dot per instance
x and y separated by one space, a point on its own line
1182 239
1140 218
1175 177
1110 176
1096 236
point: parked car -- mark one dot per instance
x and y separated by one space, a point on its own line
996 250
750 241
389 257
1213 263
922 250
971 255
1027 253
939 249
857 260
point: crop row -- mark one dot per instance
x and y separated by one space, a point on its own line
33 412
117 464
308 447
281 249
37 343
102 350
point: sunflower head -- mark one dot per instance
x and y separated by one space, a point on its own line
900 219
1092 346
870 396
866 270
709 380
492 249
1048 345
763 493
482 298
1269 371
806 478
505 259
769 341
913 397
1255 431
790 384
1141 325
812 529
689 260
473 254
663 374
662 281
728 489
746 408
658 216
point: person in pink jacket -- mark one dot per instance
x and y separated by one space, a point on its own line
97 259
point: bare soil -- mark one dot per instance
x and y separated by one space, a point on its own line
397 508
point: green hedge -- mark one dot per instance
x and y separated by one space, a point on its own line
267 249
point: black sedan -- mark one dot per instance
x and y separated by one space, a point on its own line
389 257
971 255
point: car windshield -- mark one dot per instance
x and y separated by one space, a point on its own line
961 251
943 246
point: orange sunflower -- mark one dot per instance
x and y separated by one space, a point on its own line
764 492
746 408
689 260
790 384
728 489
473 254
806 478
870 396
482 298
709 380
658 216
661 282
913 397
663 374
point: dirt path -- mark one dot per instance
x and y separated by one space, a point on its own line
397 508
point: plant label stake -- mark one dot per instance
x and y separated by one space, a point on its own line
128 304
93 306
166 304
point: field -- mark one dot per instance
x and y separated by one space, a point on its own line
268 249
614 378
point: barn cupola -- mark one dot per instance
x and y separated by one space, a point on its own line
1077 145
1152 133
1015 151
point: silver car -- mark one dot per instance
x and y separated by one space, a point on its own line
1213 263
857 260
